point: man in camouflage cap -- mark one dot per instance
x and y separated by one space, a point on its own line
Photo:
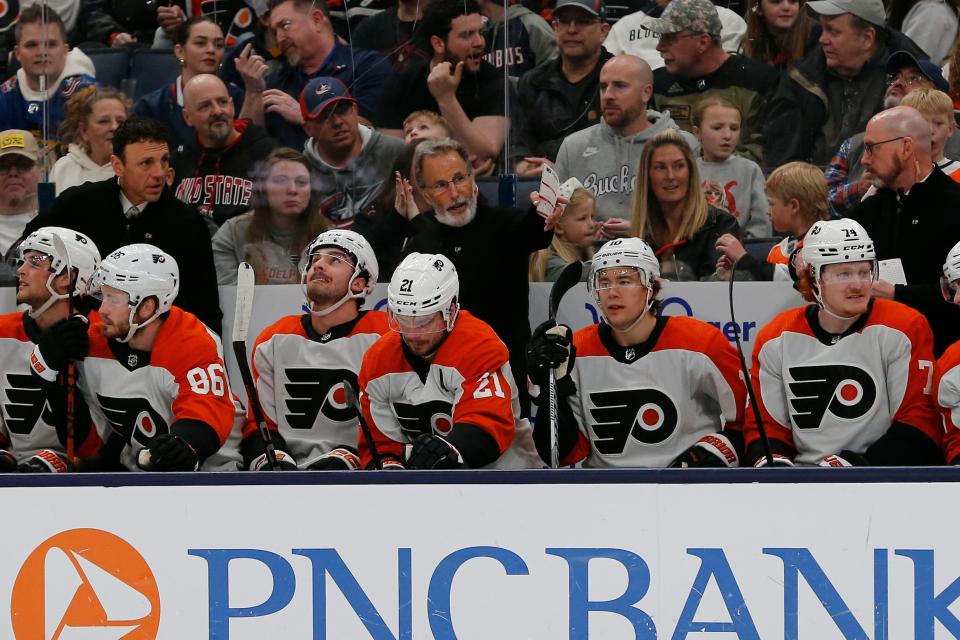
697 67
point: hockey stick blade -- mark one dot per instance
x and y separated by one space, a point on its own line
241 324
569 277
354 401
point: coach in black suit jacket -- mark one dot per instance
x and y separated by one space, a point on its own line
137 206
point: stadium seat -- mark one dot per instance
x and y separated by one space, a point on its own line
152 69
112 65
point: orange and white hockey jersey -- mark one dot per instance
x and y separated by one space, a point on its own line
468 382
30 411
139 394
821 393
300 379
780 255
645 405
946 385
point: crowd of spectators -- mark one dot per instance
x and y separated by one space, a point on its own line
686 124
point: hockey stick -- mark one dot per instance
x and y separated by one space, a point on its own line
61 250
241 324
354 401
754 405
567 279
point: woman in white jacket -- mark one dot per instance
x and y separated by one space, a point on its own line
93 114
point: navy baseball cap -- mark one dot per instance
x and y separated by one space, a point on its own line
900 59
595 7
319 94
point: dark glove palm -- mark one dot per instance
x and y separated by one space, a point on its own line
171 453
64 341
433 452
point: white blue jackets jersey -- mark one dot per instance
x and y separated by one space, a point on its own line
643 406
300 377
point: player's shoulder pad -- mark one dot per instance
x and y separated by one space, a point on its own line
11 326
587 342
792 320
950 358
897 315
371 322
183 339
472 342
286 325
684 332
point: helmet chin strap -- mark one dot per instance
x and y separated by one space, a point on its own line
53 299
349 295
134 327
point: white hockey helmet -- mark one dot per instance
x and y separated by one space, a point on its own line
364 259
140 271
631 253
82 255
951 273
424 284
834 242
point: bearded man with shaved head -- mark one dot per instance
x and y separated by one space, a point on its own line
914 217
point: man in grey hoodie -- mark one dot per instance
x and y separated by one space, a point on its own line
352 161
604 157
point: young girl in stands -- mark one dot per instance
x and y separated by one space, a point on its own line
779 32
572 237
797 198
717 124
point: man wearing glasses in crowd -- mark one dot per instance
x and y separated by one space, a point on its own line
490 246
561 97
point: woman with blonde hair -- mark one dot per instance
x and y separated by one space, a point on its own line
573 237
92 115
286 216
671 213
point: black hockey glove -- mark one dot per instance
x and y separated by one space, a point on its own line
8 462
343 458
285 462
712 451
45 461
431 452
550 347
170 453
61 343
845 458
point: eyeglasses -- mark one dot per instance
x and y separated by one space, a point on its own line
440 186
580 22
907 79
868 147
849 276
671 38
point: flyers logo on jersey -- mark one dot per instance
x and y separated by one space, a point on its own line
648 415
844 391
26 402
85 583
133 418
434 417
313 391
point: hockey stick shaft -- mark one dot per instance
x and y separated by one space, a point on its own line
71 375
241 323
564 282
751 393
354 401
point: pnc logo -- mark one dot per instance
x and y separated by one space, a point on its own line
85 583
